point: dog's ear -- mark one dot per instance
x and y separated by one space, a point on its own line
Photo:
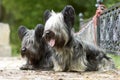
47 15
22 30
39 31
69 15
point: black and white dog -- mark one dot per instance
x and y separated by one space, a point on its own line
71 53
34 48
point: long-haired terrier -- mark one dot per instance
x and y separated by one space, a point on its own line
71 53
34 48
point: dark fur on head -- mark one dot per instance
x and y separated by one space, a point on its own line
71 53
34 48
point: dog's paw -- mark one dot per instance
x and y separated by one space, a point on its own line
58 69
24 67
27 67
31 67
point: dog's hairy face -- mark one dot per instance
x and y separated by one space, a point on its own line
30 40
58 26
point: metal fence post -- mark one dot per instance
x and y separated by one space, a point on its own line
81 21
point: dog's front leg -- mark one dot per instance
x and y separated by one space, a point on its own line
57 66
25 66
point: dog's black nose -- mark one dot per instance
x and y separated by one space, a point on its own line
23 50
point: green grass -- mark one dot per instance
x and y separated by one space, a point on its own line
15 50
116 59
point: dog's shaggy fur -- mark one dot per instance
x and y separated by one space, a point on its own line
71 53
34 48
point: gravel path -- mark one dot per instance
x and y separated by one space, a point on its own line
9 70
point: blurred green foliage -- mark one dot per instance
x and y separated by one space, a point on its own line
30 12
116 60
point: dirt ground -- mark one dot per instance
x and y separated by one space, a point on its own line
9 70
